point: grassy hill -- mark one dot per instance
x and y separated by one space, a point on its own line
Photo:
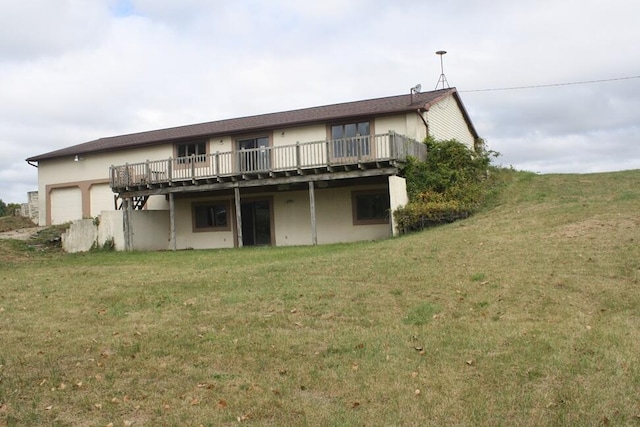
528 313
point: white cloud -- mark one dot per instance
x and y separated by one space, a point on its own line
72 71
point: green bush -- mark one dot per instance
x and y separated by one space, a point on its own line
450 184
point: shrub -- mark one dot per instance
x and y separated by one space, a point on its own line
450 184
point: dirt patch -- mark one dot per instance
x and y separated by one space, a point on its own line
593 226
22 233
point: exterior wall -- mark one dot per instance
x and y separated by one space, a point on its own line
151 230
87 171
300 134
292 218
409 124
186 238
447 122
334 217
397 197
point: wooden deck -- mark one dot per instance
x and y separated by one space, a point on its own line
309 161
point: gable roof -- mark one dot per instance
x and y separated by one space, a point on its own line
371 107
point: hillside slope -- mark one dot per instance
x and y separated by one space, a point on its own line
527 313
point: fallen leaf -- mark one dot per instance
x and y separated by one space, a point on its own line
48 408
127 423
355 405
62 386
298 324
114 400
42 382
360 346
98 405
418 348
78 384
195 402
222 403
471 362
355 366
294 310
417 392
414 374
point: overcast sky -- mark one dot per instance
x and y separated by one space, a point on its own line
76 70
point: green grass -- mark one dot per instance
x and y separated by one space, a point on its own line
528 313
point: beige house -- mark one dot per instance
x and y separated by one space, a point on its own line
316 175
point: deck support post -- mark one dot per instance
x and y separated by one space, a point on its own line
236 193
126 224
172 221
312 206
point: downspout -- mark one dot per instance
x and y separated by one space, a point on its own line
419 112
29 161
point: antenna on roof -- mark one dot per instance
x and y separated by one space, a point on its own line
442 78
415 90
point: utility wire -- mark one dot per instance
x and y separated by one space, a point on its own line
552 85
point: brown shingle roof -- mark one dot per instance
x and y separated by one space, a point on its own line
372 107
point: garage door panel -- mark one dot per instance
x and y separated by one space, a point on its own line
66 205
101 199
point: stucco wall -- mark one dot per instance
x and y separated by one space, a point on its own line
397 197
89 170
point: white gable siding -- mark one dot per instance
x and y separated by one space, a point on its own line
447 122
66 205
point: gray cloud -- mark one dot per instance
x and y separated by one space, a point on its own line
76 71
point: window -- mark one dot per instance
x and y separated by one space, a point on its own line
351 139
211 216
197 149
370 207
253 154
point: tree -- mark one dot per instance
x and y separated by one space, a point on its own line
3 208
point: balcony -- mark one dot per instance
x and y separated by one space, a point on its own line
327 156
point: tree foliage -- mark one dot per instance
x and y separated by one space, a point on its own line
450 184
8 209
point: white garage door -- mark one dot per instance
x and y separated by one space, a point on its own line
101 199
66 205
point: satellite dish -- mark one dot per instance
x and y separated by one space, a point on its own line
416 89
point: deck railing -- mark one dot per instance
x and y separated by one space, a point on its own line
265 160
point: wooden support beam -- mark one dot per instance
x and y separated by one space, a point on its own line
312 206
236 193
126 224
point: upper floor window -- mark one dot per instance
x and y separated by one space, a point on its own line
253 154
196 149
351 139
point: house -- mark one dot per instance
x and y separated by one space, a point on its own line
310 176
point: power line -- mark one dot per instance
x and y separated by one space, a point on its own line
552 85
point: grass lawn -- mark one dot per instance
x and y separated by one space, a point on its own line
527 313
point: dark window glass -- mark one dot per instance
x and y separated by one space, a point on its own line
197 149
372 207
351 139
211 216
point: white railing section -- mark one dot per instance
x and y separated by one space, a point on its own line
264 160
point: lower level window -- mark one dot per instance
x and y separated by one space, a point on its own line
370 207
211 216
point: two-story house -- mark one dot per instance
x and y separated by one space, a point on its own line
315 175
